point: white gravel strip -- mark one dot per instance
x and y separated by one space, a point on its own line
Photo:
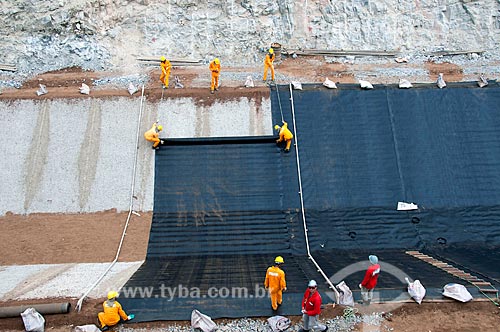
25 282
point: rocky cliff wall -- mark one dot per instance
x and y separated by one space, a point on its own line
45 35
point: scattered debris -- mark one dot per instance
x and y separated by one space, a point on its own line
340 52
365 84
482 82
249 82
440 81
85 89
401 60
329 84
132 88
42 90
7 67
404 84
178 84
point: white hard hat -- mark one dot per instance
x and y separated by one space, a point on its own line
312 283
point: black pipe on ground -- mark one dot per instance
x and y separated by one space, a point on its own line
44 309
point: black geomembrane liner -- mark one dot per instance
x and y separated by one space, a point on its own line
225 207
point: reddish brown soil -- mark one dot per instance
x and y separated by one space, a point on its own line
72 238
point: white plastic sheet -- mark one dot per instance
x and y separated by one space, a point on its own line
33 320
279 323
457 292
202 321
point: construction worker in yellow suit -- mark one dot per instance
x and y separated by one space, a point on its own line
285 136
165 66
268 64
215 69
153 133
113 312
275 282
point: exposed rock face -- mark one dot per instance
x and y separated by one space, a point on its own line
96 34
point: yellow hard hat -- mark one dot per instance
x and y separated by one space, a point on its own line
160 128
271 51
276 127
112 294
163 58
217 61
279 260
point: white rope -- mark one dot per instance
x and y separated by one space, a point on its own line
302 202
130 211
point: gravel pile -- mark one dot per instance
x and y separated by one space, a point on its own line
338 324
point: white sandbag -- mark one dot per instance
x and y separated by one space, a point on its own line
178 84
249 82
440 81
33 320
365 84
279 323
403 206
345 294
404 84
296 85
85 89
131 88
42 90
416 290
482 82
87 328
201 321
329 84
457 292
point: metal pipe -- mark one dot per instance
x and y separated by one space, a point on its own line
332 287
132 189
44 309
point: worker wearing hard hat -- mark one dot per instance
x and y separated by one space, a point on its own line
285 135
113 312
275 282
370 280
311 308
153 133
165 66
215 69
268 64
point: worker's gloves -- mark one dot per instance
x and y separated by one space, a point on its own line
131 316
303 311
284 289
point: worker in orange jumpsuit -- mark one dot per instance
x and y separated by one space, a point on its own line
285 136
113 312
165 66
275 282
268 64
215 69
153 133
